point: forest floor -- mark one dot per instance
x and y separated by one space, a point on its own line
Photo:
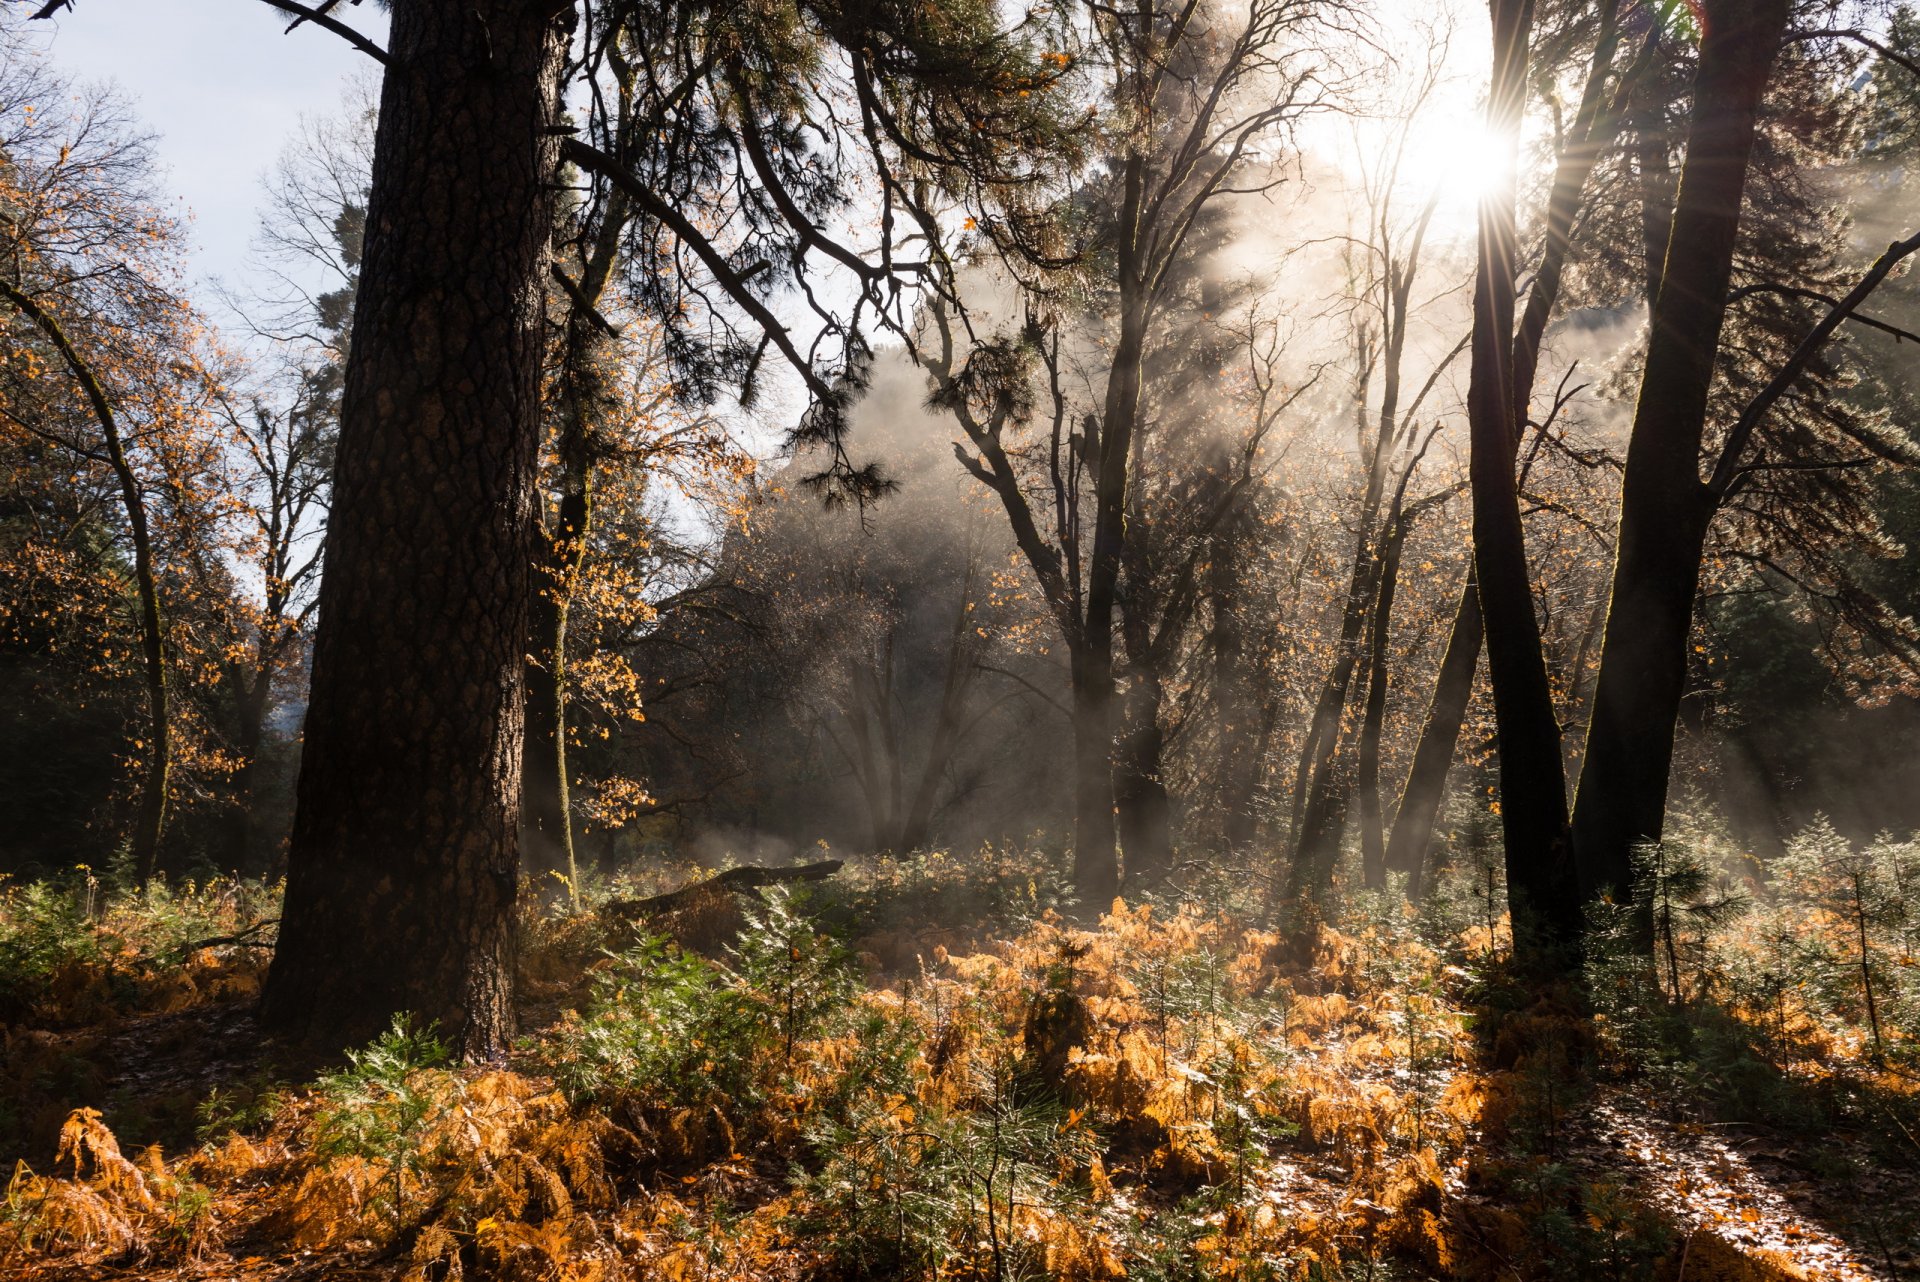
925 1070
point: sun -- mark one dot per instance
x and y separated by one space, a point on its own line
1396 167
1455 161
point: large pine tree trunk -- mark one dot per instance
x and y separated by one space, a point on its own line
1541 883
1664 505
401 878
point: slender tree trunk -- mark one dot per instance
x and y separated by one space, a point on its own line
865 705
1331 782
1654 171
1096 866
1373 846
1238 731
401 878
546 820
1665 507
249 734
1541 884
947 724
1426 783
150 816
1142 807
1321 799
1095 857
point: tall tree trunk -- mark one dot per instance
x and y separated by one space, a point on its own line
1320 799
1142 807
249 733
401 877
150 816
1654 171
1096 867
1320 796
1095 858
1373 847
1426 783
1239 730
1596 126
1665 507
1541 883
1331 783
546 819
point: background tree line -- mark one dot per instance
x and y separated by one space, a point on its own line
1177 476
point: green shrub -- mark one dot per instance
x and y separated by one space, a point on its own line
380 1107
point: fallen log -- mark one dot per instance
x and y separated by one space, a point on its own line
248 938
736 880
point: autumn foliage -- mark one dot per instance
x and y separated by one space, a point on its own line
868 1084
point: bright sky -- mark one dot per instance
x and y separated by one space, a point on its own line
223 89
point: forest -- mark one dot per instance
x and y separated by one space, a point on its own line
847 640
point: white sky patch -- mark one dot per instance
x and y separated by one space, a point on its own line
223 89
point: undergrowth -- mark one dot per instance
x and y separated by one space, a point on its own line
862 1083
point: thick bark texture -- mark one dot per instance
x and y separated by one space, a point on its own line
1664 505
1533 798
401 877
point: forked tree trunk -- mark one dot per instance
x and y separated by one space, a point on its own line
1096 864
401 876
1665 507
1541 883
1596 126
1320 797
